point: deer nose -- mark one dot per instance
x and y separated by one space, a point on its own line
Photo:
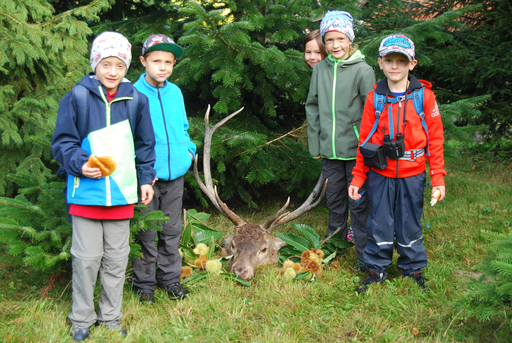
240 271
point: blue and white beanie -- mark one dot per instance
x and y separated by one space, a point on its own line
397 43
109 44
340 21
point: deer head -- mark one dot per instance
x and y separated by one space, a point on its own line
252 245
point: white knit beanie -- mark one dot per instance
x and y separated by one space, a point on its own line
340 21
109 44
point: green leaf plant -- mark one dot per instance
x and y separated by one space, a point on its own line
303 257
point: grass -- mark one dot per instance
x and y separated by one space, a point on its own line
329 310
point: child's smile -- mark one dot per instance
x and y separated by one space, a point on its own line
337 44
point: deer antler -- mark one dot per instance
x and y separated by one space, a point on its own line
280 219
208 189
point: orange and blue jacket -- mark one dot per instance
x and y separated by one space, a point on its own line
412 130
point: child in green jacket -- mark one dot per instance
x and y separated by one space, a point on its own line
334 109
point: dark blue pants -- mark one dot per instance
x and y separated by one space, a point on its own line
396 208
339 173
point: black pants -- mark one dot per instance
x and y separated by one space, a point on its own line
169 199
339 173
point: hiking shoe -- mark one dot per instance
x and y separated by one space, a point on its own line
373 277
350 234
79 332
176 291
147 298
114 325
418 278
360 266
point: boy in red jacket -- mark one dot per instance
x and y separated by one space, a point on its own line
395 192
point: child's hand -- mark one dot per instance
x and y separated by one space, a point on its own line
353 193
155 180
191 156
318 157
441 189
146 194
93 173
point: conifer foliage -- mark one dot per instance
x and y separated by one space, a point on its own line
43 53
492 291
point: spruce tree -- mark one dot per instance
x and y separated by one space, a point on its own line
491 293
476 60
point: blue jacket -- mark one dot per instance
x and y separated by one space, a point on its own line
173 146
108 132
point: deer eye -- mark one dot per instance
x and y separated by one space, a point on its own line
264 250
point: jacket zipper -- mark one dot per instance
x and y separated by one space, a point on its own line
334 110
166 133
108 104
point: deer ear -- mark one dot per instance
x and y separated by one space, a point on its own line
278 243
226 242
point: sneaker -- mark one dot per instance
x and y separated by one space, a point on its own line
114 325
360 266
373 277
418 278
350 234
79 332
176 291
147 298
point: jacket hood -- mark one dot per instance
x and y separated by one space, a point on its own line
356 57
381 87
90 82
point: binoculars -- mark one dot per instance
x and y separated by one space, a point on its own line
394 149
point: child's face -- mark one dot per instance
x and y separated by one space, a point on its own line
396 66
110 72
337 44
159 66
312 53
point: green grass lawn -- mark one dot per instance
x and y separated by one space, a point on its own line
479 197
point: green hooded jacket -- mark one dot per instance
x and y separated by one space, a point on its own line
335 104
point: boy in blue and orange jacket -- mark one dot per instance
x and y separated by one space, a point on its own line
101 206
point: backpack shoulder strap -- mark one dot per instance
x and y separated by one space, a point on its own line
378 102
80 96
419 106
133 105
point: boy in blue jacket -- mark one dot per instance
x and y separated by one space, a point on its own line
97 117
174 155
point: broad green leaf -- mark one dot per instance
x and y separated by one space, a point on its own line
200 227
200 216
309 233
302 275
206 236
194 278
298 242
329 258
186 235
236 278
289 250
188 251
340 243
212 248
